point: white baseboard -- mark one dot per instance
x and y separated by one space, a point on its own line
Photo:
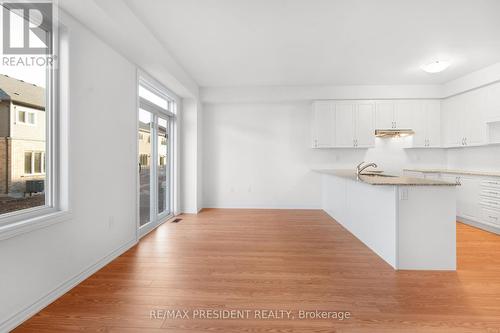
301 207
486 227
28 312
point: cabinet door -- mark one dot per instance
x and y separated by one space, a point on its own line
493 102
365 125
451 123
344 124
433 122
420 127
323 124
404 112
468 197
473 117
384 114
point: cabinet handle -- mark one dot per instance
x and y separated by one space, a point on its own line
465 140
491 192
493 217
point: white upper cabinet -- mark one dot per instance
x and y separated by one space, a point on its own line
427 124
492 112
450 122
463 119
404 113
355 124
384 114
395 114
323 124
433 117
365 124
474 122
345 124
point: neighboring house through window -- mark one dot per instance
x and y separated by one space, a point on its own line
24 116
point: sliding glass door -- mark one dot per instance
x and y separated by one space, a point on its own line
163 173
155 158
145 153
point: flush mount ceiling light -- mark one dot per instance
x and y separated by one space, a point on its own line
436 66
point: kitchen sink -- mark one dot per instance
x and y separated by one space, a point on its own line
377 175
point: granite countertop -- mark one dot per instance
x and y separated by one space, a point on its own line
383 179
458 172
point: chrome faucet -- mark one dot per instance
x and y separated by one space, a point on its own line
360 168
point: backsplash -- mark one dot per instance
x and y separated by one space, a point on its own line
389 153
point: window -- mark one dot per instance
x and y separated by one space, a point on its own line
31 155
144 160
38 162
34 163
26 117
28 157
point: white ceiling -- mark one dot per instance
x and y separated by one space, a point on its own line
324 42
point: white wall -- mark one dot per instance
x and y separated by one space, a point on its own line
259 155
102 180
486 158
283 94
190 156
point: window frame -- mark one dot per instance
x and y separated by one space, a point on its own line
42 165
18 109
56 166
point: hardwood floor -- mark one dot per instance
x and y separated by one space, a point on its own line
278 259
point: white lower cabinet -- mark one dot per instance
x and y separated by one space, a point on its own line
490 216
468 197
478 197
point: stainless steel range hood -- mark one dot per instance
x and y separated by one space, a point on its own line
390 133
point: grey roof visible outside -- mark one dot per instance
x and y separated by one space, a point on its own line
20 92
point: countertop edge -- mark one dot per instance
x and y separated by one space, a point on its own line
383 181
456 172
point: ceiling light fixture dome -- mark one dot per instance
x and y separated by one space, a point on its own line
436 66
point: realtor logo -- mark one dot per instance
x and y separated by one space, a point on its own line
33 28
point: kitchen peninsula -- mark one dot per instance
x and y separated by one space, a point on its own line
408 222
